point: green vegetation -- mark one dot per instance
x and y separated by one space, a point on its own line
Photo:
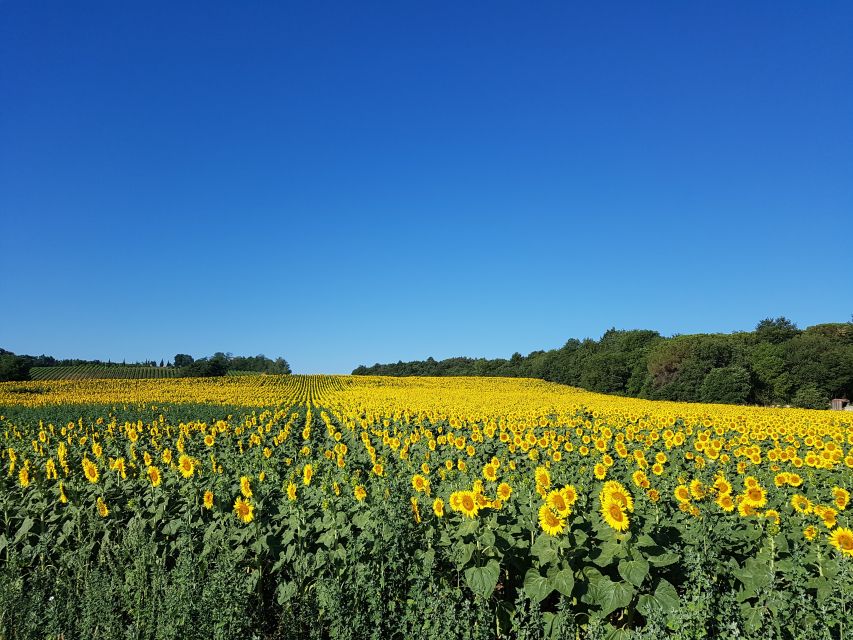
83 371
24 367
776 364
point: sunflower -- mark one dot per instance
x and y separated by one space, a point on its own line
640 479
24 477
772 514
154 476
697 490
186 465
725 502
614 515
570 494
378 469
420 484
90 470
614 491
746 508
828 517
468 504
599 471
208 499
557 503
209 440
167 456
102 508
722 486
550 522
842 497
504 491
62 497
360 493
810 532
842 539
438 507
800 503
291 491
146 458
543 478
245 487
307 474
244 510
490 473
756 496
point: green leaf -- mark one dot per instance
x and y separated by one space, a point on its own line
664 559
466 550
610 595
634 571
23 530
482 580
751 618
543 549
562 580
536 585
468 527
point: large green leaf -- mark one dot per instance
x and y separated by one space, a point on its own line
536 585
23 530
562 580
634 571
610 595
664 600
482 580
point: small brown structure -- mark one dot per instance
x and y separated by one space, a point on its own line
841 404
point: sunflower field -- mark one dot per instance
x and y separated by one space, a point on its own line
370 507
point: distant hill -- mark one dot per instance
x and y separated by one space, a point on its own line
776 364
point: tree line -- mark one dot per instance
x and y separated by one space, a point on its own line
776 364
17 367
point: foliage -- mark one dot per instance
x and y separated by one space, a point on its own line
564 514
777 364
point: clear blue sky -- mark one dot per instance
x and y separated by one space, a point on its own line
352 182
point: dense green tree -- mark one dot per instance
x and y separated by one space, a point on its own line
730 385
775 364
